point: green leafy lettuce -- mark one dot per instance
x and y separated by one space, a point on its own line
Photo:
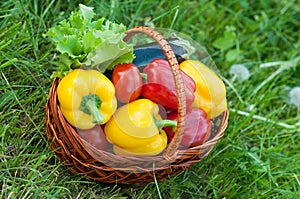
89 43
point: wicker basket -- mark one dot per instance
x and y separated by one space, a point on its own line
82 158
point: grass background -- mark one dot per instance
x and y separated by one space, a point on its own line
257 158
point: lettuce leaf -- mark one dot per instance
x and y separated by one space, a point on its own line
84 42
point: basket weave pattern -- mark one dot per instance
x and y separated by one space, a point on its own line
82 158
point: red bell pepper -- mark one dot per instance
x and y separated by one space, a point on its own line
95 136
160 85
197 129
127 81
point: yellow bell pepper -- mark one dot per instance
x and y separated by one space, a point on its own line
136 129
86 98
210 94
151 149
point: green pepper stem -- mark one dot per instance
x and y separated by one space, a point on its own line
94 111
144 76
90 104
163 123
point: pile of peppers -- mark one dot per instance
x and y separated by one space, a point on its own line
123 113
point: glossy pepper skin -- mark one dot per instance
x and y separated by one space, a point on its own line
127 81
197 129
160 86
86 98
136 129
210 94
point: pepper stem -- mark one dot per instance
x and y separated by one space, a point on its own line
90 104
144 76
163 123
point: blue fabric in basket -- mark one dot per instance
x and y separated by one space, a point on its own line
146 53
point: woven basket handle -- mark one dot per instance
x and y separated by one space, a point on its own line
170 152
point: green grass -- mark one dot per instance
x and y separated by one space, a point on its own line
257 158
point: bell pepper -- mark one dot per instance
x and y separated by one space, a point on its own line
94 136
160 86
151 149
127 81
86 98
197 129
210 94
136 129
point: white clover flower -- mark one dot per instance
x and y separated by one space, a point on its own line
240 72
294 96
